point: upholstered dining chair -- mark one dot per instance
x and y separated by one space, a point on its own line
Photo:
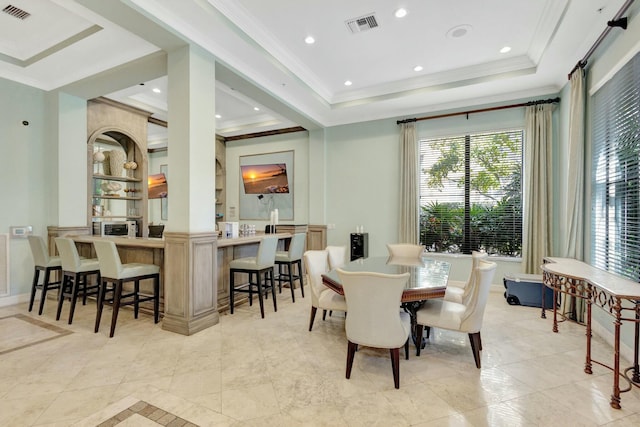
459 291
405 250
42 262
465 318
375 320
337 256
316 264
75 275
259 267
289 259
113 271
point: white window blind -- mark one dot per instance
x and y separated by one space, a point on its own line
615 224
471 193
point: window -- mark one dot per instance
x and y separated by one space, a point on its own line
615 224
471 193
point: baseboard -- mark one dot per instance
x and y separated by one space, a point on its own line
13 299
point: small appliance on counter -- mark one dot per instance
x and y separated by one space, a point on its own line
229 230
115 228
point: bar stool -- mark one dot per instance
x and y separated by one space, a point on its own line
260 266
46 263
75 275
290 258
113 271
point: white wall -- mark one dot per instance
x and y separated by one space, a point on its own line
25 188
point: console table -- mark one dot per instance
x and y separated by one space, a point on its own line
617 296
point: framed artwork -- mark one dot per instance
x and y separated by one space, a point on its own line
266 183
164 203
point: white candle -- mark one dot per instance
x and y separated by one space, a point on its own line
275 217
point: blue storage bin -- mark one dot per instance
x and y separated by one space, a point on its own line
526 289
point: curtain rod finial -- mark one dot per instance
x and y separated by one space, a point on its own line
621 22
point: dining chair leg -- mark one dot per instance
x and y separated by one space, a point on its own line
45 288
418 339
231 290
156 299
313 316
269 273
324 314
260 297
136 298
395 365
299 264
117 294
101 294
64 284
475 347
406 349
34 286
351 352
74 295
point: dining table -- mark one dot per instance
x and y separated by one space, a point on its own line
427 278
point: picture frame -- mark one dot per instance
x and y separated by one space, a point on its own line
164 203
266 183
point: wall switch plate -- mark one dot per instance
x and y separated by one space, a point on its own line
21 231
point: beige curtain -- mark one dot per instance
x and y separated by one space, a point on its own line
537 187
574 229
408 228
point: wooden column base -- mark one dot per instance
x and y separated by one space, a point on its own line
191 288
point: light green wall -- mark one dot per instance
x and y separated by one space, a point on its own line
26 186
299 143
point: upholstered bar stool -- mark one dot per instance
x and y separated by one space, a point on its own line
75 275
46 263
258 268
288 259
113 271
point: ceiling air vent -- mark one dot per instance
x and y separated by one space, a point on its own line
16 12
362 23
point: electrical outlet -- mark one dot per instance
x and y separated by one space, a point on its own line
331 226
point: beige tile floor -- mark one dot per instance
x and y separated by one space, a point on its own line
248 371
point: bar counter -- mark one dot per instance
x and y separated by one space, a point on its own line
151 251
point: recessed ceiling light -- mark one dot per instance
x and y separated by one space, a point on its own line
417 68
156 90
505 49
309 40
348 83
459 31
401 13
218 116
256 108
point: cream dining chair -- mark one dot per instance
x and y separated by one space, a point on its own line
375 320
260 271
405 250
113 271
289 259
459 291
42 262
316 264
465 318
337 256
75 275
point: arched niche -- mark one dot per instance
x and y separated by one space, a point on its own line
116 127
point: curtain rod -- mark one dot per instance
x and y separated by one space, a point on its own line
617 21
482 110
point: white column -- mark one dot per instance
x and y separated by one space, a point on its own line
190 254
69 134
191 153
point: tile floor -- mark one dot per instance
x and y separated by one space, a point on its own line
248 371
